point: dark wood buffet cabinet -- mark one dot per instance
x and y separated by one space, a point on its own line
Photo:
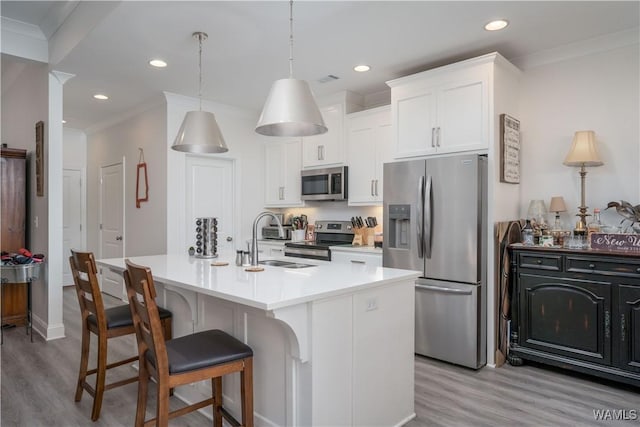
577 309
13 233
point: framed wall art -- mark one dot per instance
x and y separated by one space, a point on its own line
509 149
40 158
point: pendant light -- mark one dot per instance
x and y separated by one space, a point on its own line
199 132
290 109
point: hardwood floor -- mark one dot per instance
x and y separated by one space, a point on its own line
38 382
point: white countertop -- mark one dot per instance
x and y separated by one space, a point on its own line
273 288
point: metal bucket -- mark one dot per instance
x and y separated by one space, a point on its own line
20 273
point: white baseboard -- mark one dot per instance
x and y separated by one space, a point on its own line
46 331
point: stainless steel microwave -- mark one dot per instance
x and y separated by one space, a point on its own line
325 184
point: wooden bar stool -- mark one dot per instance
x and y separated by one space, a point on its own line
109 323
197 357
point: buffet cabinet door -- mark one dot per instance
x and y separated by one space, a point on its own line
629 306
566 317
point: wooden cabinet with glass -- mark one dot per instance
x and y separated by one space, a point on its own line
13 233
577 309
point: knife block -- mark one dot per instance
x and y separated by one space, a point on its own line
362 236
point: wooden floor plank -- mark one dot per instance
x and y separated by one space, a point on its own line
38 383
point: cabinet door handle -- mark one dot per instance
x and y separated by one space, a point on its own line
276 250
281 193
623 328
607 324
539 261
592 266
433 137
376 187
438 137
357 261
320 152
638 270
372 188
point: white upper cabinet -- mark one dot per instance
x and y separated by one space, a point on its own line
282 165
443 110
368 147
328 148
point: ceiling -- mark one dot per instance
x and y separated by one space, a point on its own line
248 46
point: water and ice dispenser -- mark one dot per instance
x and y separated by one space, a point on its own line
399 226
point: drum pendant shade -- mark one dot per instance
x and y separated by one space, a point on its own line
290 110
199 134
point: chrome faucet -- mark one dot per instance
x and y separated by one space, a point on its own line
254 236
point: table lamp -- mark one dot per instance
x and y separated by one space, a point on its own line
537 211
557 205
583 153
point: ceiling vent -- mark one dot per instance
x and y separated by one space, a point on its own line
328 78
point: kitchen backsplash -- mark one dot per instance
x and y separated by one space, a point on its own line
338 211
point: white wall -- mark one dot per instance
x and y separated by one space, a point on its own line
598 92
145 228
25 102
74 155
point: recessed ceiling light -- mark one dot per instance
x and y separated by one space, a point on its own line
159 63
496 25
100 96
361 68
64 121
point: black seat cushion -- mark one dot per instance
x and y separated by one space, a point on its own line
201 350
120 316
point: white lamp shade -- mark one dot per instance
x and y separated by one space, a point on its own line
583 150
290 110
199 134
536 209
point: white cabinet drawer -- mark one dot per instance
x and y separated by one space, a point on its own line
356 258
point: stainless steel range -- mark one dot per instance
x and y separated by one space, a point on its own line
328 233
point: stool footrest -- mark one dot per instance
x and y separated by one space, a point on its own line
114 364
183 411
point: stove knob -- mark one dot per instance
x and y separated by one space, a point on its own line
319 226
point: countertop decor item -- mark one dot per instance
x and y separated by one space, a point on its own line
628 212
557 205
290 109
583 153
199 132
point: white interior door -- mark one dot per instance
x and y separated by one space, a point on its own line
72 219
112 225
210 193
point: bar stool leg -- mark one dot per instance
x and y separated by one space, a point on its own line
143 388
162 414
246 392
216 390
84 360
101 373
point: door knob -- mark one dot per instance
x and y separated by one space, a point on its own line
229 238
118 237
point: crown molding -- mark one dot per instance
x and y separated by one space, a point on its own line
577 49
23 40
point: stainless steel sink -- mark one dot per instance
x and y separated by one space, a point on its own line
284 264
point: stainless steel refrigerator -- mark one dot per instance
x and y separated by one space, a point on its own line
435 214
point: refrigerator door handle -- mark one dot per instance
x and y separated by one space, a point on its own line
427 216
420 217
443 290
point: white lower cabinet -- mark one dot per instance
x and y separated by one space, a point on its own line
358 258
271 248
282 165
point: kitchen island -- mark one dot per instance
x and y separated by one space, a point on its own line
333 343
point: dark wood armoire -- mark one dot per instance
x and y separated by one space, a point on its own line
13 233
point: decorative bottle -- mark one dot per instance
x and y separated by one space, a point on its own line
527 234
595 226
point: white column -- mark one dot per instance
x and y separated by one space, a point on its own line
55 325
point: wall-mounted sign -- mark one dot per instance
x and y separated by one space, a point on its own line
509 149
